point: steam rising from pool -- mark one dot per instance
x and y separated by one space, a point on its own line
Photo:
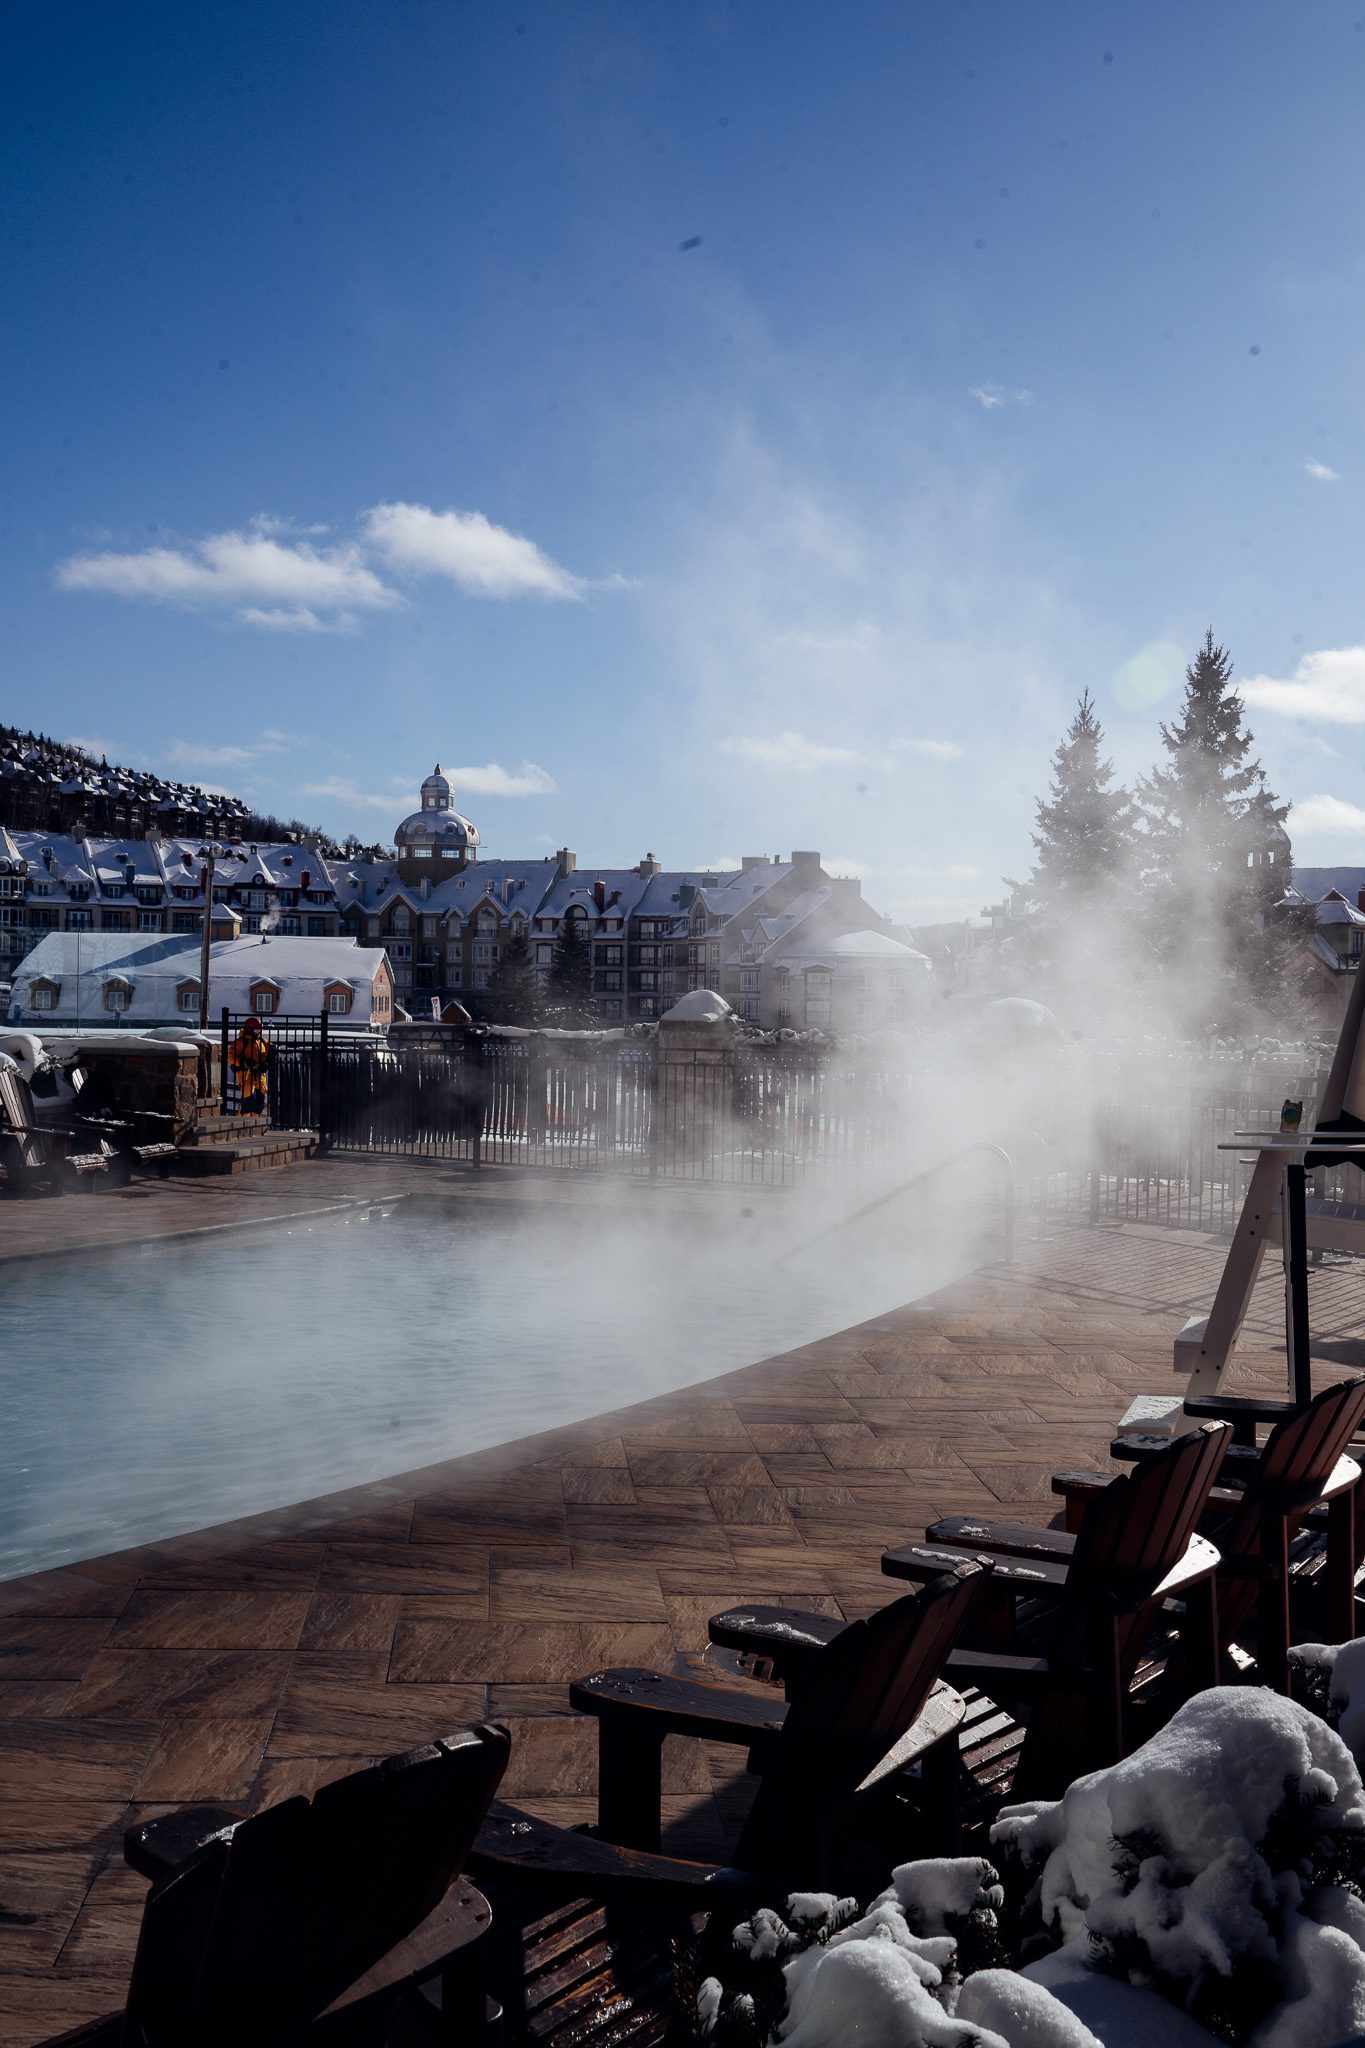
170 1387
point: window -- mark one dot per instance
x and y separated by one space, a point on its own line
748 981
148 895
79 920
544 955
289 927
256 899
486 921
339 1002
649 981
609 980
252 921
184 921
485 951
480 977
401 925
817 1013
428 927
647 1006
648 956
149 920
454 952
400 949
189 1000
453 978
113 890
44 995
263 1001
713 956
611 955
372 925
612 1012
116 996
420 852
10 885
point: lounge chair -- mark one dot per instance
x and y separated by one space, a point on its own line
1294 1522
310 1922
1067 1620
589 1931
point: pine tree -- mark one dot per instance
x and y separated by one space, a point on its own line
1068 940
1084 841
513 993
1217 854
569 1000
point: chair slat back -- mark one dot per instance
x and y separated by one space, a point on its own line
259 1931
1302 1450
859 1696
1139 1526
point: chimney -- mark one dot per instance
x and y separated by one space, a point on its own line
752 860
568 862
599 895
426 887
806 864
1360 899
647 867
845 886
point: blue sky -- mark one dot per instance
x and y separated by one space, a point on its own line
711 428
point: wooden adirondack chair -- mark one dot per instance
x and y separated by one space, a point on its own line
588 1930
32 1155
1302 1475
856 1714
310 1921
1063 1628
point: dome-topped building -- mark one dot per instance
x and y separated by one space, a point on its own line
435 841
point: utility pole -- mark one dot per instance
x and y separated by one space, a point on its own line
213 852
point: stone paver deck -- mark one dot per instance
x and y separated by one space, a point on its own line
251 1661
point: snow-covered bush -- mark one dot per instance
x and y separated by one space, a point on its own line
1219 1865
1330 1678
824 1974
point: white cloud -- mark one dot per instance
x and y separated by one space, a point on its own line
193 754
1320 470
481 558
1329 685
259 578
934 750
841 866
340 789
297 619
959 871
1327 817
495 780
991 396
791 750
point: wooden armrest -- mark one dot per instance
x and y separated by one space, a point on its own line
676 1705
460 1921
1241 1462
156 1847
513 1844
1082 1485
923 1561
1009 1539
1002 1674
788 1637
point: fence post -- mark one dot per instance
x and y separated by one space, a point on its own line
322 1082
476 1047
223 1068
652 1097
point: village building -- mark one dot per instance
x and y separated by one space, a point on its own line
776 937
115 979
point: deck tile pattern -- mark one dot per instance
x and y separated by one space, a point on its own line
248 1663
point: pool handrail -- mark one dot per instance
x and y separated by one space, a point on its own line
916 1180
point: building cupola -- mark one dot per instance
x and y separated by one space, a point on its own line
435 841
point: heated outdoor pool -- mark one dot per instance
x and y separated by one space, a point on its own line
166 1387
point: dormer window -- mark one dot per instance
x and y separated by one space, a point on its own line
339 996
265 998
117 996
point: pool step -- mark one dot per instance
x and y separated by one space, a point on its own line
213 1128
244 1155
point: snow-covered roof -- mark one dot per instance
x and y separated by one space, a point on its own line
869 946
155 965
1334 909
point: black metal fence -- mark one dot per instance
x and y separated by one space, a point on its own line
1112 1138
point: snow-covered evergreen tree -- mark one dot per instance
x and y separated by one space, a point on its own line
569 999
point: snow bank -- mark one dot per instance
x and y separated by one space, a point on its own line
1198 1865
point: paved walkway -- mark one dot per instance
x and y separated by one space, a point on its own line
258 1659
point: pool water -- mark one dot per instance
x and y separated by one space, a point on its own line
166 1387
